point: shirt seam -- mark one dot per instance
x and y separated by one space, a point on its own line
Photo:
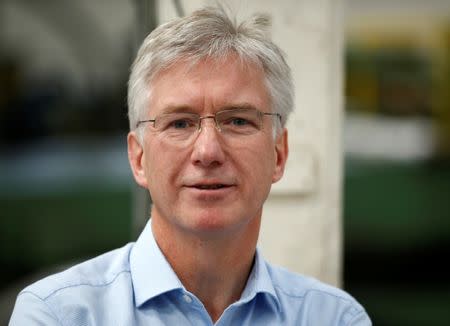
353 307
353 315
46 304
44 298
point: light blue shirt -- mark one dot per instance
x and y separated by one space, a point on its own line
135 285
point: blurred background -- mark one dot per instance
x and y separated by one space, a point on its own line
397 160
65 184
66 191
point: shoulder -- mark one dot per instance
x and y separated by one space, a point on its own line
310 298
77 294
96 272
297 285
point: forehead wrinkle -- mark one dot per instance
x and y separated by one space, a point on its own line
177 109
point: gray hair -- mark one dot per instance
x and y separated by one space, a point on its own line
210 33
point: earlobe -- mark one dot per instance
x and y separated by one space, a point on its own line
136 159
281 155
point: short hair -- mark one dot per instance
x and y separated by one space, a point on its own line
210 33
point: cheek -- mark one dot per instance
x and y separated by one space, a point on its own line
258 163
163 165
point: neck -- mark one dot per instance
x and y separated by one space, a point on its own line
216 268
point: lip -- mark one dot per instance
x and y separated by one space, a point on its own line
208 182
210 190
214 187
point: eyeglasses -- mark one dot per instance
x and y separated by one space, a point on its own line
181 126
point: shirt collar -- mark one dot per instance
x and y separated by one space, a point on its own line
260 281
151 273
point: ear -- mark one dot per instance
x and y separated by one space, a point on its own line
281 155
136 159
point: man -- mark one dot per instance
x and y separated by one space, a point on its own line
208 101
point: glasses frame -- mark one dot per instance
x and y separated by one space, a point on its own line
214 117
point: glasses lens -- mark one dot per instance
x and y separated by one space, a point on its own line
177 126
239 121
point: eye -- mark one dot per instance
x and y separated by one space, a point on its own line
239 122
180 124
172 122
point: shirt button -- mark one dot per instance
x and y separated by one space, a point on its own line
187 298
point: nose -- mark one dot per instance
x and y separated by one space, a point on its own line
207 117
208 148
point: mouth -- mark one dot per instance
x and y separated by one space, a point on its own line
210 186
210 190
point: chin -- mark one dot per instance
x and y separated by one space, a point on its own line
213 222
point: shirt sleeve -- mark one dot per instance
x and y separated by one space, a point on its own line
31 310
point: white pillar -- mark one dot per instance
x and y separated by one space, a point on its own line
301 227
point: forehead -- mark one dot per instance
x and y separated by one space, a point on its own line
209 85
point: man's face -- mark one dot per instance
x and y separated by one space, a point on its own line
214 183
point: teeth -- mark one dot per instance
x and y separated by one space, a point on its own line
210 186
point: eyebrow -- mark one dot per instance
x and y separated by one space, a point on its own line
189 109
239 106
177 109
